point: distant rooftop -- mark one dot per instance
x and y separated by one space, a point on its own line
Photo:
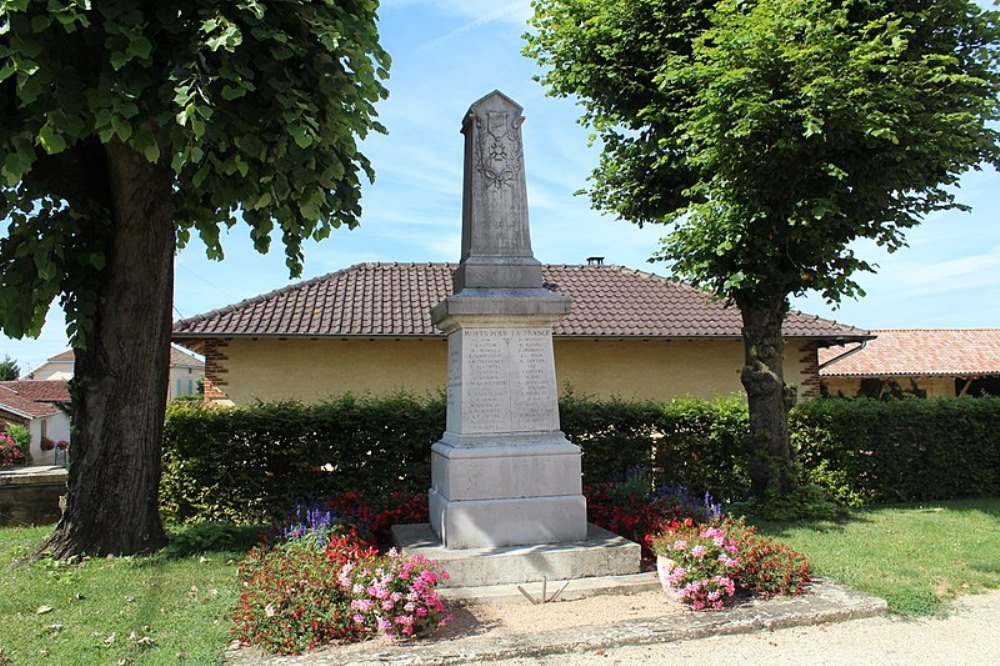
178 357
31 399
920 352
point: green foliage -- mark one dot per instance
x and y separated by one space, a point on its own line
253 109
21 436
212 536
901 450
252 464
810 501
9 369
771 134
696 444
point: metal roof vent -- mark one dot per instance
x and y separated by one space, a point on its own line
595 261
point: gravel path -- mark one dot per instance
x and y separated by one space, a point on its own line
970 635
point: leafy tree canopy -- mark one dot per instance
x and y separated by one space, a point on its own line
772 133
255 107
9 369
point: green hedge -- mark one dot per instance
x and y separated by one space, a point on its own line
253 463
903 450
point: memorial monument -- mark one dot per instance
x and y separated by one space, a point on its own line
503 473
506 502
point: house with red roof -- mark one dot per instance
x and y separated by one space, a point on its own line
367 330
42 407
932 362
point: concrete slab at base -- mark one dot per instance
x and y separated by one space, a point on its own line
563 590
600 554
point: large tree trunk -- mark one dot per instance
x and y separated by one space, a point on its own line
768 443
119 387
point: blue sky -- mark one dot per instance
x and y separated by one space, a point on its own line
449 53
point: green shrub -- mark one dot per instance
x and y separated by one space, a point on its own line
253 464
212 536
900 450
21 436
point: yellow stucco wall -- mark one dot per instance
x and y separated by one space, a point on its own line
936 387
659 369
310 370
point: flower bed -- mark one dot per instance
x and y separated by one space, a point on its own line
10 452
706 565
319 579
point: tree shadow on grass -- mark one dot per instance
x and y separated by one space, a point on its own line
212 537
778 529
988 507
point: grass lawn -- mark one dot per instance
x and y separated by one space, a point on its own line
182 603
918 557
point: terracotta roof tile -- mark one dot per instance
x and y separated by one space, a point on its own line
919 352
394 299
49 390
11 401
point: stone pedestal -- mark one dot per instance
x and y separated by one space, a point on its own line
503 474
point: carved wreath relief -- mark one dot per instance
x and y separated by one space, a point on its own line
498 151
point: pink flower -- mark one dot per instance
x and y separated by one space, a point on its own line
384 625
680 544
699 551
421 612
359 619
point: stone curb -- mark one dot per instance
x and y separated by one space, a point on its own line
825 602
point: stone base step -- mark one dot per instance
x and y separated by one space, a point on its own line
601 554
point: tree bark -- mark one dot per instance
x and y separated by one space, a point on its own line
768 443
120 379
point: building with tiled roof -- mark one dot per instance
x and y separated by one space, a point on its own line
367 330
935 362
42 407
186 371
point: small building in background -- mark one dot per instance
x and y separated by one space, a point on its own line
187 371
927 362
43 407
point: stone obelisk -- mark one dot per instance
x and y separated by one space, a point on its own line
503 473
